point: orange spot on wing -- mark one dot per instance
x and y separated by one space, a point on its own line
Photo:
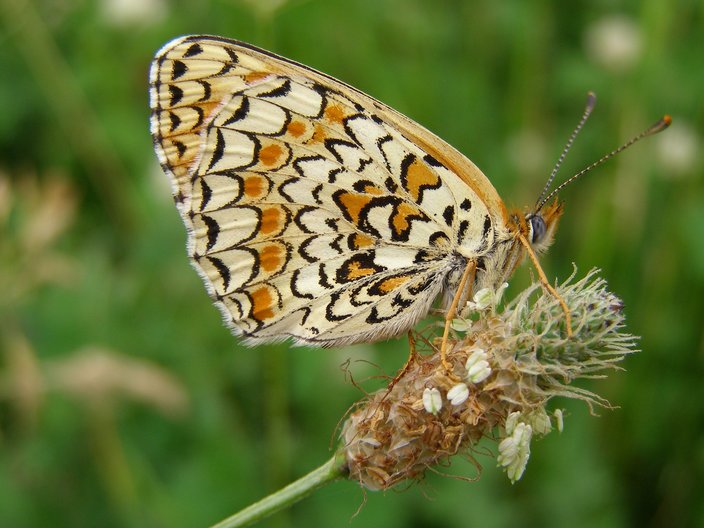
334 114
271 220
271 258
392 283
262 304
318 135
296 128
372 189
255 76
270 154
356 270
352 205
253 186
418 176
401 218
361 241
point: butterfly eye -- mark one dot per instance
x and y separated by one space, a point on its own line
537 228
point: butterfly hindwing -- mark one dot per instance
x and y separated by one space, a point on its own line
314 212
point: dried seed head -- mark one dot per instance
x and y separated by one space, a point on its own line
505 369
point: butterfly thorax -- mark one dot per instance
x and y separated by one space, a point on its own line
507 252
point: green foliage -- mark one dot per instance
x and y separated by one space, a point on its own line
125 403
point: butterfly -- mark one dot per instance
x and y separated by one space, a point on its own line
317 213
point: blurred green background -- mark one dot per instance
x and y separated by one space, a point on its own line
125 403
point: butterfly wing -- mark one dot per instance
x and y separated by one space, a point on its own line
314 211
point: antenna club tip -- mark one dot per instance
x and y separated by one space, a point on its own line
591 100
664 122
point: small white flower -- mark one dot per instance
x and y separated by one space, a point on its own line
559 419
514 451
432 400
458 394
486 297
511 421
540 422
477 366
482 299
460 325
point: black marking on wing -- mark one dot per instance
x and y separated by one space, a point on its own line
324 281
306 313
240 113
175 121
380 145
449 215
223 270
430 160
233 55
193 50
329 315
207 91
180 148
464 224
331 144
206 193
391 185
299 214
175 94
178 69
303 250
279 91
323 92
315 193
212 232
219 149
422 286
294 290
332 174
439 239
487 226
351 267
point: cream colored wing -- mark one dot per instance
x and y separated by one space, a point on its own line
314 212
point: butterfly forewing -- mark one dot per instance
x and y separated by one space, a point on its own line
314 212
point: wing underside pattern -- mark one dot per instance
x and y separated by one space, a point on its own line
314 212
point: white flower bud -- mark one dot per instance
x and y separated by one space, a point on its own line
458 394
511 421
460 325
559 420
514 451
486 297
483 298
432 400
540 422
477 366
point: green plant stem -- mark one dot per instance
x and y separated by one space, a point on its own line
332 470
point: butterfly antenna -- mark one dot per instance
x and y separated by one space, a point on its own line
591 102
656 127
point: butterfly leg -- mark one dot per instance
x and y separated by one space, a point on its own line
468 276
409 362
546 283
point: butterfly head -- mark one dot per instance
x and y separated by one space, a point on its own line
540 226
